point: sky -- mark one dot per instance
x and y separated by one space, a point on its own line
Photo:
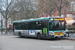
3 4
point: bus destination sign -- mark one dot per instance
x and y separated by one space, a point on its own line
58 18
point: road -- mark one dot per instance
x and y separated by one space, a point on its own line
10 42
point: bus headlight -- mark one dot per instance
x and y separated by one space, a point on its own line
51 33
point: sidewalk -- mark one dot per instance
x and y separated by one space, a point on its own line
71 37
9 33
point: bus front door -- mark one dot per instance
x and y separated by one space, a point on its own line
44 29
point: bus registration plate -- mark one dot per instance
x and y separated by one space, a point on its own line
59 33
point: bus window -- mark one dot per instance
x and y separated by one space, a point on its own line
34 25
45 24
30 25
59 25
16 25
45 27
50 26
24 26
38 26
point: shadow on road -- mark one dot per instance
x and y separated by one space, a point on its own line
54 39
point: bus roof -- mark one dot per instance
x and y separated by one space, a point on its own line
34 19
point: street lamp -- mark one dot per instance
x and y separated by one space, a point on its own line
1 24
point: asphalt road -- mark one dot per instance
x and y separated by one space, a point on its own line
15 43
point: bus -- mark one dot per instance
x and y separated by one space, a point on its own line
49 27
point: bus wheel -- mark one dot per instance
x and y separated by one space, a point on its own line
39 36
20 35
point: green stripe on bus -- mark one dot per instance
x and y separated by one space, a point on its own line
57 31
30 20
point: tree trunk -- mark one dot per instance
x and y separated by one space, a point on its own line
50 14
5 26
46 15
60 13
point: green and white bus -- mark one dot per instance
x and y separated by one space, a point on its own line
49 27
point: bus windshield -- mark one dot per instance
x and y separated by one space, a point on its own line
57 25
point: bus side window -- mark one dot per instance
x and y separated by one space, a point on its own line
29 25
34 25
45 24
39 26
25 26
50 26
16 26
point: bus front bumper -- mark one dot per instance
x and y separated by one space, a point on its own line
52 36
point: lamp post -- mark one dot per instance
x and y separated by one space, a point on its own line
1 24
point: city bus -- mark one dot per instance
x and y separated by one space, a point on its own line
49 27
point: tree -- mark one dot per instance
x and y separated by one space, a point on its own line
24 9
41 7
51 7
60 4
5 12
46 7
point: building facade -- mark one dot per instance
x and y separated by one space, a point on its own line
2 24
70 6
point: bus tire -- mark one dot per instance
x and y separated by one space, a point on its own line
19 35
39 36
